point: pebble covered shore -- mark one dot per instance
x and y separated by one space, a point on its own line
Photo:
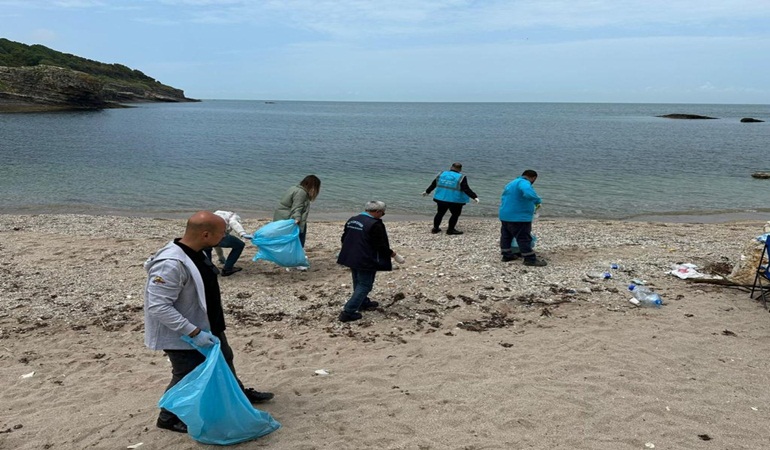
82 271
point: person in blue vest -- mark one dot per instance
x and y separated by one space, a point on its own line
517 209
452 193
366 250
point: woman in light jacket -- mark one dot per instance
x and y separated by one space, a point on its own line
295 203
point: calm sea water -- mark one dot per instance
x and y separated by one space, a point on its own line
594 160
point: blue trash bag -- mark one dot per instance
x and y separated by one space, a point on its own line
515 245
279 242
213 406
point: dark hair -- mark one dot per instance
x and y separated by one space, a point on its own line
529 173
312 185
457 166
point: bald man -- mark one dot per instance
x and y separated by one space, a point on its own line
182 297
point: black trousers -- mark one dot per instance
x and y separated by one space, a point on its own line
455 209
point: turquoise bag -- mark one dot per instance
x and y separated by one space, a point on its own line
213 406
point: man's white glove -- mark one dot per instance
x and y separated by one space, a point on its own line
424 194
205 339
248 237
399 259
476 199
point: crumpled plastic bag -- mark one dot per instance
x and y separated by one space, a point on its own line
213 406
688 270
279 242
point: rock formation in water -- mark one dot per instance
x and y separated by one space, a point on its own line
685 116
750 120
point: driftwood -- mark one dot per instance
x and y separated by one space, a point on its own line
720 282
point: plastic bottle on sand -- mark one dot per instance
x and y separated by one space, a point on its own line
644 296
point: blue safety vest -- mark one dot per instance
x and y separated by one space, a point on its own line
448 187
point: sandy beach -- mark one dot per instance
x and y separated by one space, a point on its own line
467 352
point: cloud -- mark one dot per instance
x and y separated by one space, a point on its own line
347 19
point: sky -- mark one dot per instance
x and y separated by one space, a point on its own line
616 51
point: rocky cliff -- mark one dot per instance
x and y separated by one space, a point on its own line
43 87
48 87
37 78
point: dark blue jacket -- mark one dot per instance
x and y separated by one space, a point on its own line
365 244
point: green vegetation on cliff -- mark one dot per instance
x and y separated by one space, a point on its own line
14 54
37 75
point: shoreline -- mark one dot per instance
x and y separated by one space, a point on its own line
341 216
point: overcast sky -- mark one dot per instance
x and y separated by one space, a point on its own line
672 51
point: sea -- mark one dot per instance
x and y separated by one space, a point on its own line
594 160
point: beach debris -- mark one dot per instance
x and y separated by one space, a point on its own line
729 333
600 275
649 445
18 426
322 372
136 445
688 270
28 375
754 408
495 320
704 437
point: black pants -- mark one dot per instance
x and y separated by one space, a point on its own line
185 361
455 209
522 232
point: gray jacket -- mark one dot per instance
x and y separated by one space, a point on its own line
295 204
174 299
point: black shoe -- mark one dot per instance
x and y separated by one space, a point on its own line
435 230
508 258
255 396
370 305
228 272
349 317
173 425
535 262
454 232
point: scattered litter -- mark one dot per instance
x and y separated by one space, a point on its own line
639 282
136 445
649 445
753 408
689 271
321 372
28 375
602 275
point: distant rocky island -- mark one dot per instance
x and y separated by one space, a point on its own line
685 116
36 78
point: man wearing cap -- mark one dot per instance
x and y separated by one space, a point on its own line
366 250
452 193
